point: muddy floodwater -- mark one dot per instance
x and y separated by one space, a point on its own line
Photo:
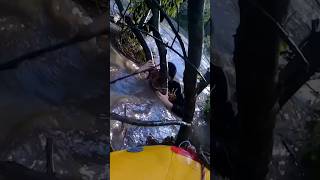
133 97
58 94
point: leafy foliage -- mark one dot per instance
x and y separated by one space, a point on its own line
139 8
171 7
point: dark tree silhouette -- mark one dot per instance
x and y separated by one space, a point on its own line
195 31
261 93
256 62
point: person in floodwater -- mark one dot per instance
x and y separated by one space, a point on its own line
173 99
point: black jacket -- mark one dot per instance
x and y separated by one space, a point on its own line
179 100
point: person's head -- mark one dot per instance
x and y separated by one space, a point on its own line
172 70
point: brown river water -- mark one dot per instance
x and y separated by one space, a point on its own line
58 94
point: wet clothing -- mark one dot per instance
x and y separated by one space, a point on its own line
177 108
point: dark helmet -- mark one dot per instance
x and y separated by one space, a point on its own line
172 69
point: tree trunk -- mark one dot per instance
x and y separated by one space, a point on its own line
195 30
256 61
154 26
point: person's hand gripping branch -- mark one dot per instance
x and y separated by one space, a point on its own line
148 65
172 97
164 98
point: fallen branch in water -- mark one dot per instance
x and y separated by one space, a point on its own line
136 122
95 29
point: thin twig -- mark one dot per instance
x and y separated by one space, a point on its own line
171 26
291 152
123 15
175 37
144 19
288 18
312 89
282 33
136 122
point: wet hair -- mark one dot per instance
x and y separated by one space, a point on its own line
172 70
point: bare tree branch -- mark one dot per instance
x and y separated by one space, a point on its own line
292 77
175 51
136 122
282 32
172 26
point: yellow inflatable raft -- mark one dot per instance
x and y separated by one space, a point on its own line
156 163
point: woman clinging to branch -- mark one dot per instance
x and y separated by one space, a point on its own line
173 98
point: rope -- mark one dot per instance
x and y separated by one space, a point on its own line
186 141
